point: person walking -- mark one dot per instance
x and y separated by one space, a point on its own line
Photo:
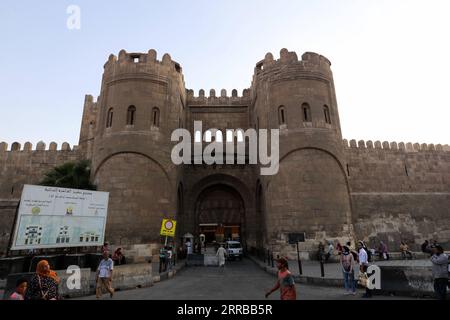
363 265
104 276
440 272
285 282
347 263
221 253
43 284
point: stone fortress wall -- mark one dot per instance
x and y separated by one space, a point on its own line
326 187
26 165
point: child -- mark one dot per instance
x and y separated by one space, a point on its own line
21 287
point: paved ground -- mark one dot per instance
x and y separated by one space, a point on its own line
241 280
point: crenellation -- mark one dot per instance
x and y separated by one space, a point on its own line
345 143
15 146
3 146
393 146
221 100
409 147
65 146
40 146
27 147
53 146
361 144
424 147
166 60
152 55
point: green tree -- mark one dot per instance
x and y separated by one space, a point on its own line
70 175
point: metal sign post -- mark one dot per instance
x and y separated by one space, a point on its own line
299 261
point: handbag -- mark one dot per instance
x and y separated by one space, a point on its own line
363 279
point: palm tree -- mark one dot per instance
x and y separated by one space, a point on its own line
70 175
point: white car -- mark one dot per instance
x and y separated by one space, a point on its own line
234 250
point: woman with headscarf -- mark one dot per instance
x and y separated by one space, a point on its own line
43 284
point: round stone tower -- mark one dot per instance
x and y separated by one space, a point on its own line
141 103
310 192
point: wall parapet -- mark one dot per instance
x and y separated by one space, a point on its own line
40 146
394 146
221 99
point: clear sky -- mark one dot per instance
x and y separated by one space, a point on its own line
391 59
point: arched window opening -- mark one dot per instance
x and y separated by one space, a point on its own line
109 118
155 117
131 115
306 110
326 113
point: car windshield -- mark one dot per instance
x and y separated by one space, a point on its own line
234 245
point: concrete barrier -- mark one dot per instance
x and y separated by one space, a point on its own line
130 276
416 281
63 288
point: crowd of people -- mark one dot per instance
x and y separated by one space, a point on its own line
349 257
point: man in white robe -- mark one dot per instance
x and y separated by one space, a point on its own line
221 253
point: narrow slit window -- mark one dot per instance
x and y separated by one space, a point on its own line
131 114
326 112
281 115
306 112
155 117
109 118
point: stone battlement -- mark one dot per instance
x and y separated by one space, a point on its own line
222 99
141 62
40 146
288 61
401 146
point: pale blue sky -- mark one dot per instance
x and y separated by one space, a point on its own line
390 58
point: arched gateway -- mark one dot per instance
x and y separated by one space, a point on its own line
220 214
